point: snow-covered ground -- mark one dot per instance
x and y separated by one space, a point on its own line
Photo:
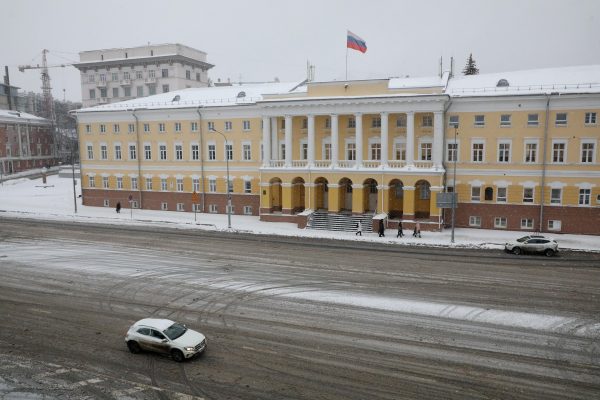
29 198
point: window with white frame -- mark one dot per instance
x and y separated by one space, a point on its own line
427 121
147 152
106 203
247 210
452 151
115 92
91 78
350 151
127 91
530 152
115 76
126 75
92 181
138 74
474 220
119 182
177 126
327 124
247 186
180 207
351 122
246 125
479 120
558 152
164 185
376 122
88 129
131 128
501 194
116 128
228 126
148 183
90 152
195 152
533 120
179 183
212 151
453 121
505 120
194 126
282 151
212 208
212 185
164 206
327 151
117 152
400 151
425 151
375 150
527 195
401 121
103 152
195 184
146 128
500 222
477 152
92 93
526 223
561 119
211 126
140 91
179 152
587 152
134 183
584 197
555 196
102 128
229 151
105 182
161 127
475 193
590 118
504 152
554 225
246 152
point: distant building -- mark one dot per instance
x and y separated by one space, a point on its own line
4 96
113 75
26 142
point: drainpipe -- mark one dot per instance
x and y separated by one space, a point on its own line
544 163
138 156
201 157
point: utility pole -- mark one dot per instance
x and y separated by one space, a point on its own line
7 82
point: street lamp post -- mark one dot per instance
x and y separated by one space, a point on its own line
454 194
227 166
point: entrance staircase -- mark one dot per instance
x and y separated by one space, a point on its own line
322 220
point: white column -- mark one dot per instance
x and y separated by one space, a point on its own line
266 132
288 141
438 139
410 139
311 140
274 139
384 139
334 140
359 139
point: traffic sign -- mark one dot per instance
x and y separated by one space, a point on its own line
130 197
195 197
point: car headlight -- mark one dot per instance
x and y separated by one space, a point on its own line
189 348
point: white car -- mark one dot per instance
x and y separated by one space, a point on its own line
165 336
532 244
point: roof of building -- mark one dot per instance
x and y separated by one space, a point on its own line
213 96
418 82
19 116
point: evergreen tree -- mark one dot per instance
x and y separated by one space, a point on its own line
470 68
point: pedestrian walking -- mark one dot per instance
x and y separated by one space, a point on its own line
118 207
381 229
417 231
400 232
358 229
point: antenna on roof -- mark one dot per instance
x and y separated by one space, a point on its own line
451 67
310 71
441 66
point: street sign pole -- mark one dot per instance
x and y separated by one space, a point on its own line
195 200
130 206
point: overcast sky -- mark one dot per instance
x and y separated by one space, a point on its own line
258 40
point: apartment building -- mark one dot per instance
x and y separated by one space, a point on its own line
520 149
115 75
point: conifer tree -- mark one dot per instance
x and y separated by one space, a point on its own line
470 68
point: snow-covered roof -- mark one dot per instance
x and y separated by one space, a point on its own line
18 116
213 96
577 79
417 82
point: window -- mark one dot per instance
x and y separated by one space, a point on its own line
195 152
584 197
91 181
526 223
138 74
179 152
164 206
247 186
115 92
247 210
132 152
555 196
106 203
532 120
500 222
102 128
88 129
375 151
426 151
304 123
558 152
451 152
103 92
376 122
327 151
126 75
134 183
127 91
453 121
527 195
590 118
212 185
151 89
212 152
180 207
103 152
90 152
479 121
501 195
282 151
146 127
91 78
162 149
140 91
188 74
230 187
179 184
327 123
116 128
554 225
148 183
161 127
134 203
505 120
587 152
194 126
115 76
147 152
246 125
105 182
131 128
350 151
474 221
164 73
504 152
117 152
427 121
92 93
196 185
102 77
198 76
477 155
177 126
151 73
228 126
165 88
530 152
401 121
488 194
561 119
351 122
211 126
119 182
475 193
229 151
212 208
247 152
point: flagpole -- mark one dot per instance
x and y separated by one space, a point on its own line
346 63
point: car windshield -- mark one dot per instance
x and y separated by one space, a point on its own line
175 331
524 238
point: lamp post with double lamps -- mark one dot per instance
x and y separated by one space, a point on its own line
212 129
454 193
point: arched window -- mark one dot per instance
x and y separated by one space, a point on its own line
489 193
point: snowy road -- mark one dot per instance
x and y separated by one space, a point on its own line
291 318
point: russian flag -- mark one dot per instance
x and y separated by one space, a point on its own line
356 43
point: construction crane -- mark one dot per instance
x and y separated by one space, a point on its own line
48 101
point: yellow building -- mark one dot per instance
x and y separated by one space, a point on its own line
347 150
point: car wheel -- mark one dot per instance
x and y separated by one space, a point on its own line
134 347
549 252
177 355
517 250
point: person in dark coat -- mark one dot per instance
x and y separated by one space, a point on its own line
381 229
400 233
417 231
358 229
118 207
